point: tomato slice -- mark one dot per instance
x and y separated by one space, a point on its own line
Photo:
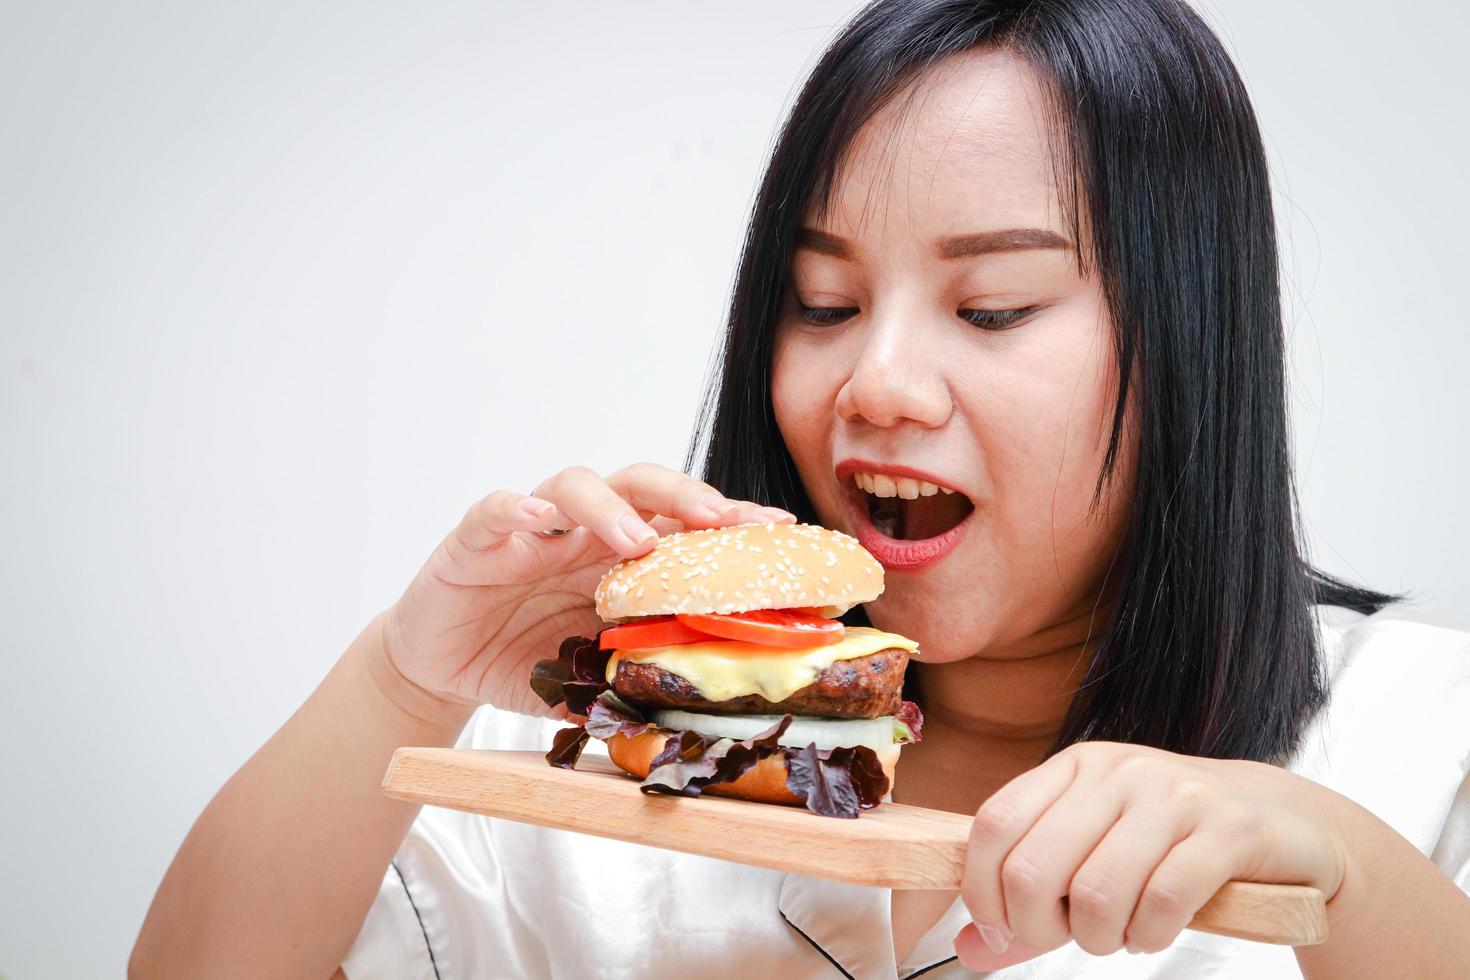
770 627
655 631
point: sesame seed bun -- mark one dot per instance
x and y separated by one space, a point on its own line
741 568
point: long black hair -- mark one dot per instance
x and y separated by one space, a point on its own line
1210 648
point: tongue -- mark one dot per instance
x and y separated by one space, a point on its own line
926 517
914 520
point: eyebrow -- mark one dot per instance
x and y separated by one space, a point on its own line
953 247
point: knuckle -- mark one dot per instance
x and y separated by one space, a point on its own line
1076 753
1080 750
1189 792
1092 897
689 489
498 499
1164 897
993 823
1135 766
642 472
577 472
1022 875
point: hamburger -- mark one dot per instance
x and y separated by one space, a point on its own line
725 669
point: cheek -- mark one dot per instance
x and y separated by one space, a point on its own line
801 398
1050 419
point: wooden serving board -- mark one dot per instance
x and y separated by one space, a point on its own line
891 846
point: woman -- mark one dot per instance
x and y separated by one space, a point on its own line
1027 249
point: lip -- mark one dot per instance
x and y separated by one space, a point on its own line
895 554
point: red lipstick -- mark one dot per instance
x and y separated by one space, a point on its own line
896 554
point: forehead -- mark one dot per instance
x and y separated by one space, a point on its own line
965 147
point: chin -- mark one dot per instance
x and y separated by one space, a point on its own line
931 622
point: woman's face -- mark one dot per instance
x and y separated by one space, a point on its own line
937 321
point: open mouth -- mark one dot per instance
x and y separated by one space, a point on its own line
910 510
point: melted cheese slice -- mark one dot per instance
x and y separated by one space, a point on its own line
725 669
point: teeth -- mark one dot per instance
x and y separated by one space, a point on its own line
896 486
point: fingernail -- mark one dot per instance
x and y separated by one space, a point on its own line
720 505
1132 948
775 514
536 508
637 532
996 940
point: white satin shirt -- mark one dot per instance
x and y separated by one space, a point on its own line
474 897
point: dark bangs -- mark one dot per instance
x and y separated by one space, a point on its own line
1210 649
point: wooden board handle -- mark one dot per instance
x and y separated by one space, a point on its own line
893 846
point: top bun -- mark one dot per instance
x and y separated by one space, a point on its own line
740 568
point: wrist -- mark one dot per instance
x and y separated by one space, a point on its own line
400 694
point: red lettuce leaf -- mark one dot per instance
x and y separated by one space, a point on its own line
912 718
690 762
836 782
577 675
566 747
610 715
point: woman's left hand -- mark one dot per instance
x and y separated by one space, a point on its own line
1135 840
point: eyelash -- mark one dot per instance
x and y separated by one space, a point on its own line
996 320
826 316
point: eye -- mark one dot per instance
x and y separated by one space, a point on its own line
826 316
996 319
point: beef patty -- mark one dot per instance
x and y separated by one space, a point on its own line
863 687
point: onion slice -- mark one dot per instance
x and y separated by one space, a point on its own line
824 733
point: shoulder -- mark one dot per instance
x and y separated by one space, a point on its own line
1401 665
1400 658
1395 732
1422 639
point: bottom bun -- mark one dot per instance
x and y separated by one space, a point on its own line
763 783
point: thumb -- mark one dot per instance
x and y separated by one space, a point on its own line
975 955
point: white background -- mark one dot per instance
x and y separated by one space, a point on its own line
284 287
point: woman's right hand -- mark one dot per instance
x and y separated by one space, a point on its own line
496 596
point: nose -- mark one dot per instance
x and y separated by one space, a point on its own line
898 376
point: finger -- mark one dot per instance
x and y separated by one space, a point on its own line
1187 877
500 513
584 499
1038 870
977 955
655 489
1104 891
999 824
